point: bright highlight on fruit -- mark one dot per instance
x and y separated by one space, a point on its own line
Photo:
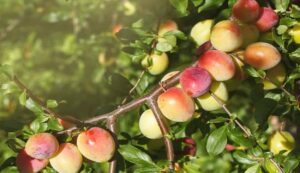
156 64
67 160
41 146
281 141
262 55
220 65
149 126
226 36
195 81
176 105
96 144
200 32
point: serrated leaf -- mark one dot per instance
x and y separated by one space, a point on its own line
52 104
217 140
136 156
22 98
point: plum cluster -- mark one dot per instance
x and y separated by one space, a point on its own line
95 144
235 43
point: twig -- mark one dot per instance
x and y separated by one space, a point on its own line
111 124
134 87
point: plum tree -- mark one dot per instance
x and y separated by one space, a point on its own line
218 64
149 126
267 19
208 103
156 64
96 144
281 141
67 160
200 32
41 146
27 164
262 55
246 11
226 36
275 77
195 81
176 105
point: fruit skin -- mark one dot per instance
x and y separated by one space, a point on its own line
96 144
195 81
267 19
176 105
149 126
262 55
67 160
226 36
156 64
41 146
208 103
280 141
250 34
27 164
167 26
295 33
200 32
220 65
277 75
246 11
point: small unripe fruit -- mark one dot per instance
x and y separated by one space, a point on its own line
149 126
281 141
156 64
41 146
27 164
267 19
246 11
167 26
218 64
96 144
200 32
67 160
262 55
276 75
195 81
250 34
226 36
176 105
208 103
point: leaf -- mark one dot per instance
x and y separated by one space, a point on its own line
31 105
218 120
22 98
53 124
263 108
237 136
210 4
295 55
255 72
136 156
281 5
216 141
163 46
7 71
290 164
242 157
181 6
52 104
197 2
254 169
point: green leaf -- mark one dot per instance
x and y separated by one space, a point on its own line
255 72
164 46
295 11
295 55
281 29
31 105
53 124
254 169
217 140
210 4
237 136
290 164
181 6
52 104
242 158
7 71
197 2
218 120
136 156
22 98
281 5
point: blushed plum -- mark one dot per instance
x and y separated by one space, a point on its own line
195 81
267 20
167 26
276 75
176 105
246 11
149 126
27 164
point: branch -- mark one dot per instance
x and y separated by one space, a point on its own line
111 124
43 105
